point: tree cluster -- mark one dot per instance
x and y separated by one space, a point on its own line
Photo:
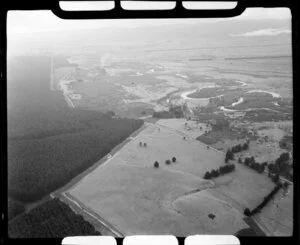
235 149
267 198
221 171
168 162
141 144
251 163
281 166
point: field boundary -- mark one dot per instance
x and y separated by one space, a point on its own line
80 176
81 208
253 225
65 197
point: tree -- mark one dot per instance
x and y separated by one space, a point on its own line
207 175
156 164
275 178
245 146
173 159
214 173
168 161
261 168
145 144
247 212
228 155
286 184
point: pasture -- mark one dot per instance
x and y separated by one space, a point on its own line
173 198
170 199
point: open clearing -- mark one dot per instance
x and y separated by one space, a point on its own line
189 128
172 199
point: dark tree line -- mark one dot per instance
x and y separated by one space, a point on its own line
251 163
52 219
281 166
235 149
221 171
267 198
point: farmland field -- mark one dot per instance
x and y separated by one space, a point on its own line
176 193
172 192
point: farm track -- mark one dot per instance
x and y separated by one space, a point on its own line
189 193
83 209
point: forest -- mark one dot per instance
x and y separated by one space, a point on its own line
50 143
52 219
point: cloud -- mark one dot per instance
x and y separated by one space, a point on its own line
263 32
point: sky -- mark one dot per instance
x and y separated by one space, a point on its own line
45 20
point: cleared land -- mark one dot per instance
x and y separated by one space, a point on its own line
166 200
181 125
174 198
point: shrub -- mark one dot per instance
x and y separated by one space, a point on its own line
207 175
156 164
215 173
275 178
168 161
285 185
247 212
173 159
